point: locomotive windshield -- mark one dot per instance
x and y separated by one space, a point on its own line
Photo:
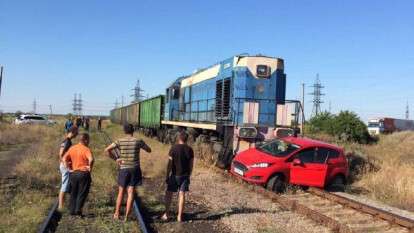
263 71
175 92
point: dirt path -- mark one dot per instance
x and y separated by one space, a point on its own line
198 218
216 204
9 157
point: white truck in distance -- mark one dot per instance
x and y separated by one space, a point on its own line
388 125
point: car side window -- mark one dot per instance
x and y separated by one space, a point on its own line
322 155
333 154
306 155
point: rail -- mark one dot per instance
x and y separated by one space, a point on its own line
51 215
362 207
317 216
137 211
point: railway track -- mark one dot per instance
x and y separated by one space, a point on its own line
53 217
137 211
333 210
341 214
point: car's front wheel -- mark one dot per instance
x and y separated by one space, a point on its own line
276 184
337 184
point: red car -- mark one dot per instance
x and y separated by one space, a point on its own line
294 160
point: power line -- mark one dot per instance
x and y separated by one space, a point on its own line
34 106
116 104
77 104
407 112
317 96
80 104
137 94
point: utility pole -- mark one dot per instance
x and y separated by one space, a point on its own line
1 77
80 104
116 104
50 109
34 106
407 112
317 96
75 105
137 95
303 109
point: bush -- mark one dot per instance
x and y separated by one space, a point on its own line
346 126
349 127
321 123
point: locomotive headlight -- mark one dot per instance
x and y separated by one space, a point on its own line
260 165
248 132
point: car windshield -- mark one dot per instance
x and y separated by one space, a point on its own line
371 124
278 148
35 118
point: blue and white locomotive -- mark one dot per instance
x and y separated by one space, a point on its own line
235 103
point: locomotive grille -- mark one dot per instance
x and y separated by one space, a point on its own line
223 98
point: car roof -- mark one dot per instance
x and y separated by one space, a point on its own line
305 142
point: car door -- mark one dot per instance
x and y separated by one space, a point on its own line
312 168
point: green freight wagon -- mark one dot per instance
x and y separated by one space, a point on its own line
132 114
151 112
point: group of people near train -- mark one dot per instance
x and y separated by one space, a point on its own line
81 121
76 165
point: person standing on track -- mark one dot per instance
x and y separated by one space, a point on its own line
130 174
79 160
78 122
179 169
99 124
68 125
86 124
64 147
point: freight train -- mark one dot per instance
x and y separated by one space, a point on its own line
233 104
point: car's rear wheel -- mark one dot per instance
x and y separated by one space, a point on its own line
337 184
276 184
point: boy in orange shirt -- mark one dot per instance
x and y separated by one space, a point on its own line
79 160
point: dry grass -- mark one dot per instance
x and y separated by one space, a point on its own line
37 177
18 134
385 169
393 182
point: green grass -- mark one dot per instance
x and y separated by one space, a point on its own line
24 209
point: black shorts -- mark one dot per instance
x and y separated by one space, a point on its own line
129 177
178 183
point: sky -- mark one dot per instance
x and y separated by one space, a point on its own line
363 51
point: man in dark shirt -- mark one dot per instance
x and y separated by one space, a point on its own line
64 147
179 169
99 124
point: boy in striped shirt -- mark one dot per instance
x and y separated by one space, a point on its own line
129 175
